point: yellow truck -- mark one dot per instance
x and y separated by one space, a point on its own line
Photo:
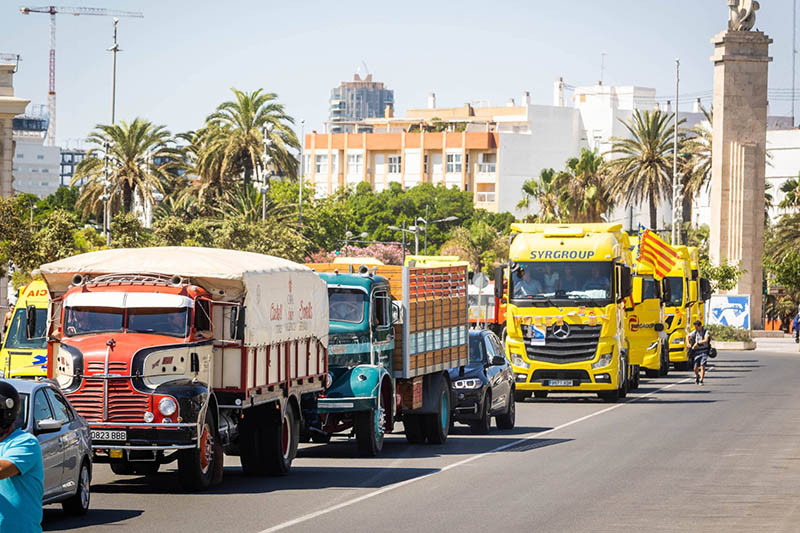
21 356
645 320
566 287
700 287
679 307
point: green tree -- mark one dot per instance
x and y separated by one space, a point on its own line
545 191
132 151
127 232
584 189
56 239
642 168
695 163
722 277
791 194
240 127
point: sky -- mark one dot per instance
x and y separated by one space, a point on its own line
180 61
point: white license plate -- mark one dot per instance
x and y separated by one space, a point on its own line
102 434
560 383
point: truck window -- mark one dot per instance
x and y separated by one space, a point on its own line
17 336
346 305
649 289
160 320
382 313
83 320
202 316
547 281
676 290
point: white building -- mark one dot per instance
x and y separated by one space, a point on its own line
36 168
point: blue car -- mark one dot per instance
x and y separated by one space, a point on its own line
484 388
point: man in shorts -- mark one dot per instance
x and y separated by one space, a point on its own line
700 344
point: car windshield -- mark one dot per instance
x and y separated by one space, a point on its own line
22 417
574 281
81 320
17 336
676 291
346 305
475 350
173 321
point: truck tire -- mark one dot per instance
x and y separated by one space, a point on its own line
650 373
484 425
664 369
437 425
122 468
196 466
282 439
252 445
413 425
369 432
508 419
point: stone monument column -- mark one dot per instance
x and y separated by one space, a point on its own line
739 136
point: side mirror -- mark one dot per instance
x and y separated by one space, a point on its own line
659 327
638 283
48 425
625 282
498 360
397 313
705 289
499 273
666 291
30 321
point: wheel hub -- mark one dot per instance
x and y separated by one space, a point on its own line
206 449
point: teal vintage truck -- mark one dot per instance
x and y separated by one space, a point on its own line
394 333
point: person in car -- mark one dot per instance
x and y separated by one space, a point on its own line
21 469
597 281
528 284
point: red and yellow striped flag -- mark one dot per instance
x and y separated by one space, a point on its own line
660 255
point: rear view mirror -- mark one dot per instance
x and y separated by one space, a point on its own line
659 327
48 425
638 283
397 313
705 289
30 321
666 291
499 273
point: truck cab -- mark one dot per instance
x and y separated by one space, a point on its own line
645 320
23 355
677 320
566 286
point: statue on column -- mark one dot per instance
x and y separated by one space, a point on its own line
742 14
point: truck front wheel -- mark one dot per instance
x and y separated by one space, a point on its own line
196 466
437 425
369 426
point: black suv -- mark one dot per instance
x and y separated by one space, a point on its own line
485 387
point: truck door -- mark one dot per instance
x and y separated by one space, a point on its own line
382 333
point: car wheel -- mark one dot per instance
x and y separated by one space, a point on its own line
79 503
509 418
484 425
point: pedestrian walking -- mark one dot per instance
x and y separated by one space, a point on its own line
700 344
796 327
21 470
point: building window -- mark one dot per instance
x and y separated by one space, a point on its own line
485 193
425 164
394 164
321 164
39 156
45 171
35 170
335 162
487 163
453 163
19 156
355 164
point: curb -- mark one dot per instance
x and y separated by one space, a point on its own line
743 345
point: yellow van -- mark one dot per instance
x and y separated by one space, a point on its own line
21 357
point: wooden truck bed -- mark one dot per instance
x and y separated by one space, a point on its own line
433 335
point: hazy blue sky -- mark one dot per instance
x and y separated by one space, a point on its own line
179 61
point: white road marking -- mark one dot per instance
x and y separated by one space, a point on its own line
388 488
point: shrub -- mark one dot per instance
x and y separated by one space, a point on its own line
729 333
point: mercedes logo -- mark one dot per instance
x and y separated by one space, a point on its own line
561 331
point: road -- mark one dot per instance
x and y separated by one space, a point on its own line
674 456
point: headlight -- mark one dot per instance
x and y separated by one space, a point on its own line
678 340
148 417
517 360
604 360
167 406
467 384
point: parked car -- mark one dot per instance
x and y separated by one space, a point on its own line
65 441
484 388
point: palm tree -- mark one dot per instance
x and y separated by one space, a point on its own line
139 159
545 193
696 167
791 194
584 188
251 203
642 170
204 155
240 127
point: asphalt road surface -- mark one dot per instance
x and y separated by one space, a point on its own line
674 456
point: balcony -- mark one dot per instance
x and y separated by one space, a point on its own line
485 197
487 168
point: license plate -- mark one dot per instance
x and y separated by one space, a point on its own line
102 434
560 383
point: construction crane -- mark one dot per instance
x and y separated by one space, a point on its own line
76 11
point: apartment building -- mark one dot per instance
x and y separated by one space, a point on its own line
36 168
354 101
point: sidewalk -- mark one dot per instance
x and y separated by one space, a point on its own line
776 344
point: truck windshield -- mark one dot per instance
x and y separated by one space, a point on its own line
346 305
535 283
17 335
83 319
676 291
163 321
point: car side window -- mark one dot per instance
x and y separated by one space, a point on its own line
41 409
60 406
490 349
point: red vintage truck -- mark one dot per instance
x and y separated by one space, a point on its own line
180 353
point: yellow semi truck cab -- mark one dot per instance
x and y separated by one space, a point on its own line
20 356
679 307
566 314
645 325
700 287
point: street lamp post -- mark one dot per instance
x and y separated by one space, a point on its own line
411 229
426 222
107 185
302 169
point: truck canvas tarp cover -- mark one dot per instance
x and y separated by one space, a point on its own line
283 300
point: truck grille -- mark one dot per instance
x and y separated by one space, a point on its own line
580 344
124 403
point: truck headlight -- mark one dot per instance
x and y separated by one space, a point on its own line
604 360
167 406
517 360
678 341
467 384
